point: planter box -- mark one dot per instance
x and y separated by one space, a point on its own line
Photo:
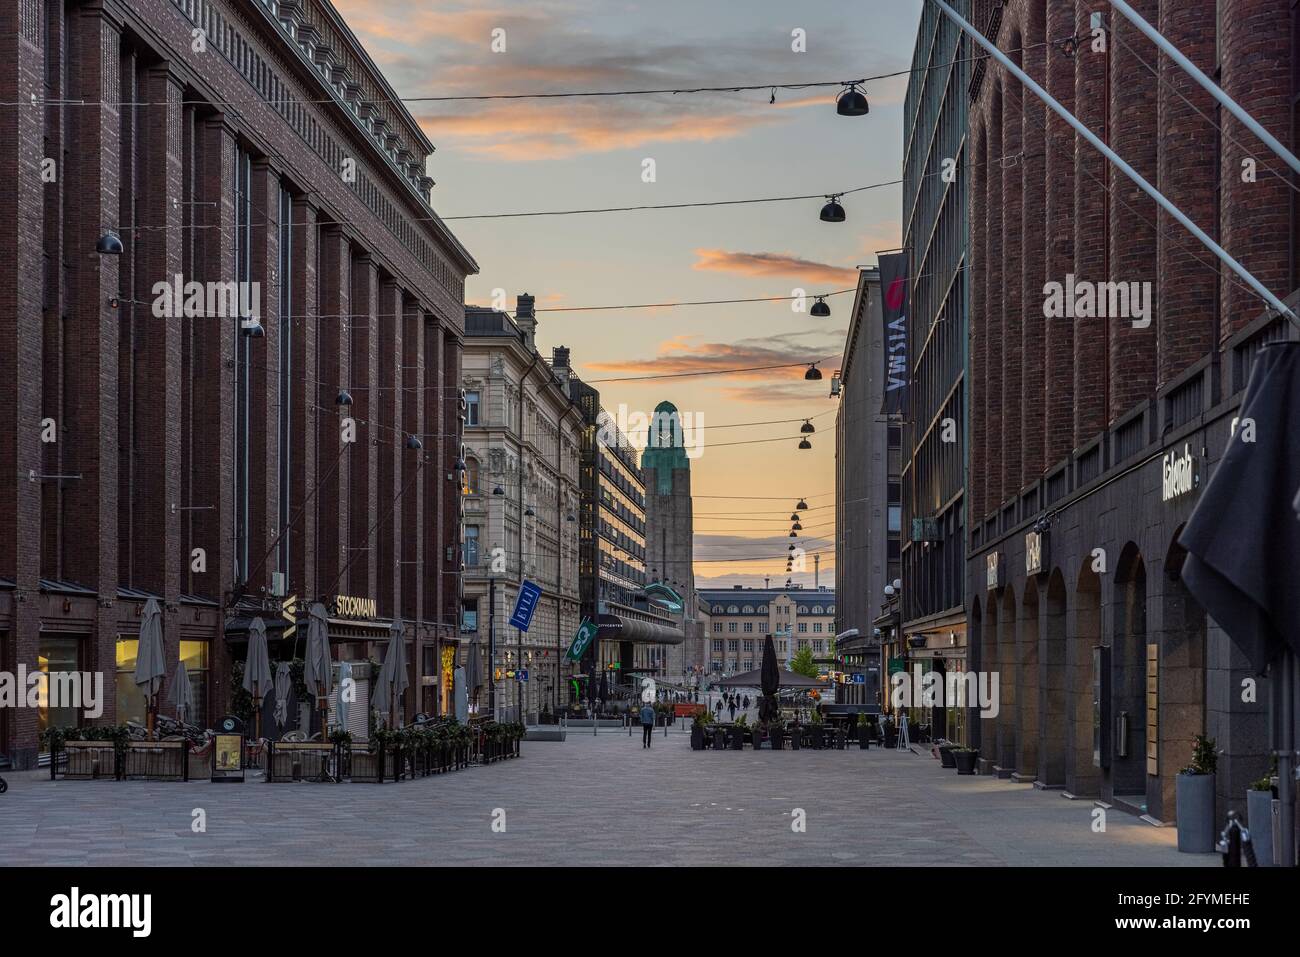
719 739
777 737
945 756
964 761
737 739
796 739
864 738
1195 810
1259 819
697 739
891 739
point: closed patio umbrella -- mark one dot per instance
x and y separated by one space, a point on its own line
347 690
182 694
392 674
283 690
316 670
769 680
150 666
461 702
257 670
473 671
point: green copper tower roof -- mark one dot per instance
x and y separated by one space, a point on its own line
665 447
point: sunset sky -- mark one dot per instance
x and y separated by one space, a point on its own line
527 155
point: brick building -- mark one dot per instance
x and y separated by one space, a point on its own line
741 618
1108 667
200 456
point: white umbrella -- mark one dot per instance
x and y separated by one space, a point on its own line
346 689
150 666
316 671
182 694
462 696
392 674
283 690
257 669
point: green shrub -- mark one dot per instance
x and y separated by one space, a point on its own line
1205 759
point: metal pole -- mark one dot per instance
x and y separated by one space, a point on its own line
1283 698
492 647
1227 102
1119 162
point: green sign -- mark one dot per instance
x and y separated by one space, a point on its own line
896 665
582 640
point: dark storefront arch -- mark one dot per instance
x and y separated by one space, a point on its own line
1027 693
1053 698
1181 681
991 665
1082 777
1128 665
979 662
1007 719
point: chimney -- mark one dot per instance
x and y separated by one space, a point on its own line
526 320
560 365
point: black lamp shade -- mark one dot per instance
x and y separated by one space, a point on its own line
852 103
794 517
802 506
498 491
813 374
819 309
414 443
805 444
807 428
251 329
529 511
343 398
797 527
108 245
832 212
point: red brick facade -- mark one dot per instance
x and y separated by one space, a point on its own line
209 121
1042 387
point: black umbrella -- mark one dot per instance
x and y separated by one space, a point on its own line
769 680
1243 546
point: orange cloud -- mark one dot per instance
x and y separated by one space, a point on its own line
774 264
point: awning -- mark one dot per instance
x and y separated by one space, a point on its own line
621 628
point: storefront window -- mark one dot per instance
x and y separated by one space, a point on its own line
194 655
131 704
56 654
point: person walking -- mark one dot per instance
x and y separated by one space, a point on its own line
732 707
647 724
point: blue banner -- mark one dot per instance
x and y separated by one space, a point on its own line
525 606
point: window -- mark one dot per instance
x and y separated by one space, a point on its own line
895 518
749 664
130 696
471 546
817 609
818 644
469 615
748 609
803 626
194 655
817 627
731 626
57 654
749 645
749 626
717 626
733 610
471 476
762 628
733 645
717 645
471 408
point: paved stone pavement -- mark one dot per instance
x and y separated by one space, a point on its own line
588 800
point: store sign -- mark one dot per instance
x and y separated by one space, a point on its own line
1178 471
1034 547
348 606
993 570
525 605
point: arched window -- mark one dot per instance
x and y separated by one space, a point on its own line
471 476
732 610
748 609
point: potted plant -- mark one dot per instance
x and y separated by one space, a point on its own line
1194 791
1259 817
946 759
698 726
738 734
891 732
719 736
776 734
964 759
